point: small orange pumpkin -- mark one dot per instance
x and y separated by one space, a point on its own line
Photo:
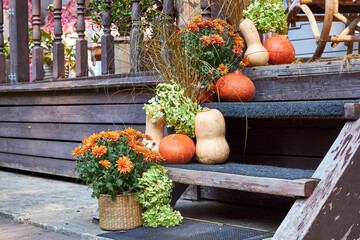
177 148
281 50
235 87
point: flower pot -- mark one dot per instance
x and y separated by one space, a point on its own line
265 35
119 214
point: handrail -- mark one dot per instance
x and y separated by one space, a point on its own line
20 71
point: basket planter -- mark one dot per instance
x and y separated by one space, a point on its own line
122 213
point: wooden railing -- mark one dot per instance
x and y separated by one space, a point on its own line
19 62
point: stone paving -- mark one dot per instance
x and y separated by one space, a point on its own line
67 208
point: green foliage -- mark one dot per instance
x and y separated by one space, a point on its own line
213 48
112 162
121 14
7 49
267 15
180 111
155 195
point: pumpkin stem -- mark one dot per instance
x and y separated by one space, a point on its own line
206 109
174 136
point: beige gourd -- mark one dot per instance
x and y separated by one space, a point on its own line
155 130
211 145
256 53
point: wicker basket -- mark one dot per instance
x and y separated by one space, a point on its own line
122 213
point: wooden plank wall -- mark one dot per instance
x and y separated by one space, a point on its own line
39 130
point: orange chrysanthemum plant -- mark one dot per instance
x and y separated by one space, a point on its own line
213 47
112 162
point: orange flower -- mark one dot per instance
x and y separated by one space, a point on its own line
206 40
230 33
218 40
192 27
244 62
124 165
230 27
99 150
197 19
114 136
238 50
220 29
223 69
220 21
77 151
105 163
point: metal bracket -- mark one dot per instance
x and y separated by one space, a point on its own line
12 77
11 12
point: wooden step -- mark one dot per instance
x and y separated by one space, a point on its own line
244 177
337 109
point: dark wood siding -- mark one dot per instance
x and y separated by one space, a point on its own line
39 129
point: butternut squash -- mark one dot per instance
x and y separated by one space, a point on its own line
256 53
155 130
211 145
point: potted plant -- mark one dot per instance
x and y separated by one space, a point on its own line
112 164
179 110
268 16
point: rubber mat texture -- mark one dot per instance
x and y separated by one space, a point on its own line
189 229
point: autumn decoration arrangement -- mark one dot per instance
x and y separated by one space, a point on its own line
113 164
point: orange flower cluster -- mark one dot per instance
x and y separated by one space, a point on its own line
95 144
239 45
213 39
99 150
223 69
105 163
124 165
192 27
244 62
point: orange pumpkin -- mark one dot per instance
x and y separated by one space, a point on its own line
235 87
281 50
177 148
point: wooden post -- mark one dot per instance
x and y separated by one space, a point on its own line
81 43
136 37
206 9
19 46
107 43
2 54
169 13
37 51
58 48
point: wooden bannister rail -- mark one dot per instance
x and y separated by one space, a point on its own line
58 48
107 43
81 43
37 51
2 54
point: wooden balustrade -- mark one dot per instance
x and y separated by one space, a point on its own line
81 43
58 47
107 43
37 51
136 37
19 65
2 54
19 40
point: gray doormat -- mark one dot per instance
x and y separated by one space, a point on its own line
189 229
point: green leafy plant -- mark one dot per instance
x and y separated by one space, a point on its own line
113 162
180 111
267 15
121 14
155 195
